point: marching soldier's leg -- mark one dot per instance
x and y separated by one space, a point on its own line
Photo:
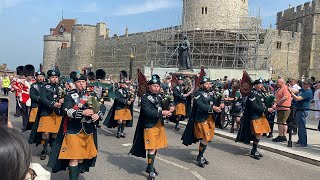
123 126
150 168
45 142
254 151
179 118
119 129
202 148
73 170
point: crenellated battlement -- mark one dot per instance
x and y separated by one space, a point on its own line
294 13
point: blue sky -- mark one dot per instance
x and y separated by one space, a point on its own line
24 22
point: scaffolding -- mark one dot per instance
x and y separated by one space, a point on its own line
245 48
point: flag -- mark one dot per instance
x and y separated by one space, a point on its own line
174 81
201 75
41 68
245 84
142 83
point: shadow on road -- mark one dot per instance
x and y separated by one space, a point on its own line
128 163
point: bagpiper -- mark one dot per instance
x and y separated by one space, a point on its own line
51 96
180 96
36 107
76 144
121 113
254 123
150 132
201 124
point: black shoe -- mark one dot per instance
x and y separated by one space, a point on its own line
43 155
201 162
122 135
205 161
278 139
177 129
297 142
154 169
254 152
118 135
23 130
270 136
98 126
152 176
256 155
284 138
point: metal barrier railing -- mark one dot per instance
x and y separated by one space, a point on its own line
290 124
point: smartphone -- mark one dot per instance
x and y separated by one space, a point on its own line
4 111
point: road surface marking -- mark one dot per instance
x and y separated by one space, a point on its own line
197 175
172 163
126 145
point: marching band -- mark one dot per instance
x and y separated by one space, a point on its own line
65 114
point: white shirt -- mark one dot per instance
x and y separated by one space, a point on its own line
226 93
316 95
296 87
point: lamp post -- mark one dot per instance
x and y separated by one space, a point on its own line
131 64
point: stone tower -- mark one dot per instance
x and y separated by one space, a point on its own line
213 14
51 47
83 46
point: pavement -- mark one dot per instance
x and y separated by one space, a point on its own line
228 160
309 155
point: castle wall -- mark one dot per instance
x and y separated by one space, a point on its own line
52 44
113 54
83 46
285 53
64 61
213 14
305 19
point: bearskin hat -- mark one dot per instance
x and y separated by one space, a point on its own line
100 74
19 70
28 70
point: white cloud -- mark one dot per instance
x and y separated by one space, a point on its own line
90 8
5 4
147 6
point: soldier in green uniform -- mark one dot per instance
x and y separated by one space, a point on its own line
51 112
76 144
121 113
201 124
255 109
150 134
180 96
36 107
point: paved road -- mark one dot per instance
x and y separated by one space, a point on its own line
228 160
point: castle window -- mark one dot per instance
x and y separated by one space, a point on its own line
92 53
202 10
206 10
134 50
114 53
279 45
